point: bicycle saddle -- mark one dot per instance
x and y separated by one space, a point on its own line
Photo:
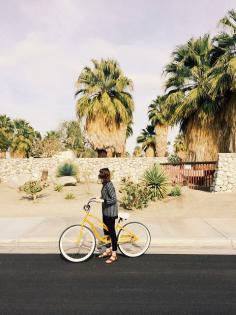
123 215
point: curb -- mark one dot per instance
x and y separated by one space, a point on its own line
161 246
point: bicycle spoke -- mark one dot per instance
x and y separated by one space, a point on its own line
133 239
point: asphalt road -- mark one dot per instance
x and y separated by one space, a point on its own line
151 284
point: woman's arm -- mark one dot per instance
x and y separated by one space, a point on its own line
111 195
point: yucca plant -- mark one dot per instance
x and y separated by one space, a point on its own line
156 181
67 169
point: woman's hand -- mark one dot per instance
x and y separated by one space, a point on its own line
100 200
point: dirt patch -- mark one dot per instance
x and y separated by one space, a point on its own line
192 203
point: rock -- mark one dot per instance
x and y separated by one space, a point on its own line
16 181
66 181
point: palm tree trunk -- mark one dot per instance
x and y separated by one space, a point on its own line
104 137
201 142
161 140
2 155
218 136
101 153
150 151
182 155
227 138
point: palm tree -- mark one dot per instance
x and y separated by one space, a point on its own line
223 82
73 138
180 146
23 138
158 118
104 100
201 93
6 133
129 131
147 139
230 20
52 135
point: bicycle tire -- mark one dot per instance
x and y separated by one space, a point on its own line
121 246
77 249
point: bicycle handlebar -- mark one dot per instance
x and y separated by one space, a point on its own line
87 205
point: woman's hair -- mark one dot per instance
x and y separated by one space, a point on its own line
104 175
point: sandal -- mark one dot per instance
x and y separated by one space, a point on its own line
105 254
112 259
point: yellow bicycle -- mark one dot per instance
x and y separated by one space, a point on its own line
78 242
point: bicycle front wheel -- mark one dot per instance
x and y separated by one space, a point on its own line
134 239
77 243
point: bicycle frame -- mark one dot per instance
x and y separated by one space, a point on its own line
105 239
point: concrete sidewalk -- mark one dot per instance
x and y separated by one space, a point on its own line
169 235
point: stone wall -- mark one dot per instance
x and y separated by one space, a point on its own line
225 175
88 167
224 179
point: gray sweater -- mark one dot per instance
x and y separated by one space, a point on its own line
109 206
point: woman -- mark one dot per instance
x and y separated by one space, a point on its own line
110 214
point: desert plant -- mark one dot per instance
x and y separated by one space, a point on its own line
156 181
23 138
70 196
104 99
160 120
147 139
58 187
137 151
134 195
175 191
6 132
173 158
47 147
67 169
31 188
86 176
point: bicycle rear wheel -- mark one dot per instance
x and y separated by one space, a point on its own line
77 243
134 239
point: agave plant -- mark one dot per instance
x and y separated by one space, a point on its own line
67 169
156 181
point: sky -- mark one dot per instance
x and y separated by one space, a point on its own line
44 45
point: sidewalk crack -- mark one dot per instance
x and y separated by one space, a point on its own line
214 228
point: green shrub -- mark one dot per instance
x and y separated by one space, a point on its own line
133 195
58 187
175 191
156 181
70 196
67 169
31 188
173 158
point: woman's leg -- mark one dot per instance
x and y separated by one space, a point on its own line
110 223
108 251
108 245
